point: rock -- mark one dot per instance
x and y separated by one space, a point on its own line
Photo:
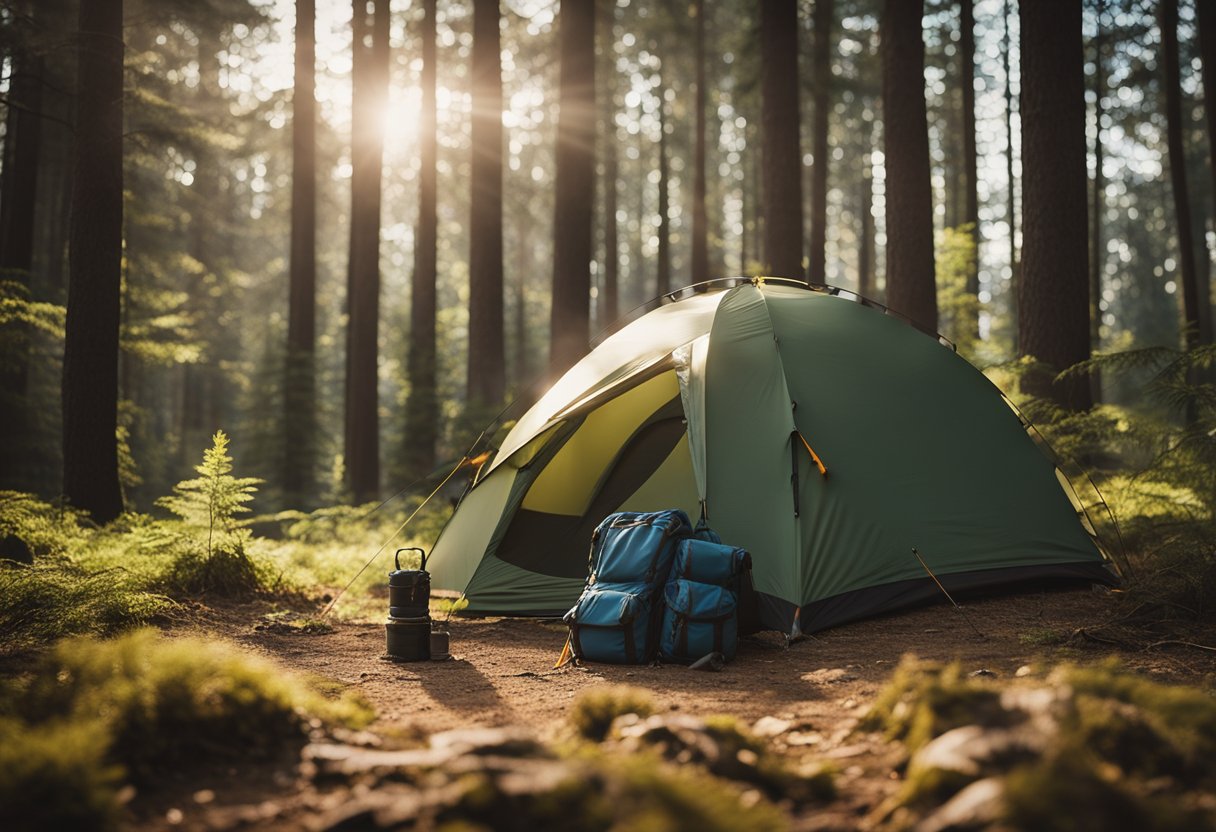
982 673
801 738
1024 670
825 676
846 751
511 742
335 760
978 806
974 751
770 726
952 751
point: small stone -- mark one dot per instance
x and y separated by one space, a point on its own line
982 673
803 738
770 726
978 806
204 796
501 741
174 816
1024 670
846 751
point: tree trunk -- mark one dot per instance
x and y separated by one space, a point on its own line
19 183
299 420
971 210
18 202
865 246
821 80
487 360
369 74
609 300
1014 269
90 357
663 281
574 180
422 405
782 151
909 195
700 222
744 206
1207 47
1097 257
1192 325
1053 304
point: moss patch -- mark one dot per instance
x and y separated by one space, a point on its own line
594 710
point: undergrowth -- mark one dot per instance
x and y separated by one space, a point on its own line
1087 748
94 714
136 570
594 710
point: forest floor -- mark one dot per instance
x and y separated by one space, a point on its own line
501 674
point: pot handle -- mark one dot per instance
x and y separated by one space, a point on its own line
397 557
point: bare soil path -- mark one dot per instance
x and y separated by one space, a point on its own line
501 674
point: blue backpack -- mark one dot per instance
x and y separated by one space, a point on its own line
631 554
701 600
698 619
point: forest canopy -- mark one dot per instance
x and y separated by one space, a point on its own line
348 233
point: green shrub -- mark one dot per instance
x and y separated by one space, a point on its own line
925 699
54 598
172 702
55 777
594 710
607 792
1167 730
45 529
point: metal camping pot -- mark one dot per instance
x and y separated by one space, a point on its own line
409 590
409 640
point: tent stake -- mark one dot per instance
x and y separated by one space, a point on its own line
925 566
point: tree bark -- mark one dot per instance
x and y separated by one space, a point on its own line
866 284
299 420
487 378
909 196
823 20
782 148
1014 269
1097 256
18 204
1207 47
609 299
1193 327
700 222
1053 304
90 358
574 182
663 280
971 209
370 92
422 405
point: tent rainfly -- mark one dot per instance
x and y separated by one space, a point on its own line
823 435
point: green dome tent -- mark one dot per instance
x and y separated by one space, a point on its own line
819 431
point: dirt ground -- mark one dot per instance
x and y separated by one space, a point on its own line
501 673
501 670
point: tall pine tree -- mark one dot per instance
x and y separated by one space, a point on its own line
569 322
910 267
1053 296
90 355
487 359
300 420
